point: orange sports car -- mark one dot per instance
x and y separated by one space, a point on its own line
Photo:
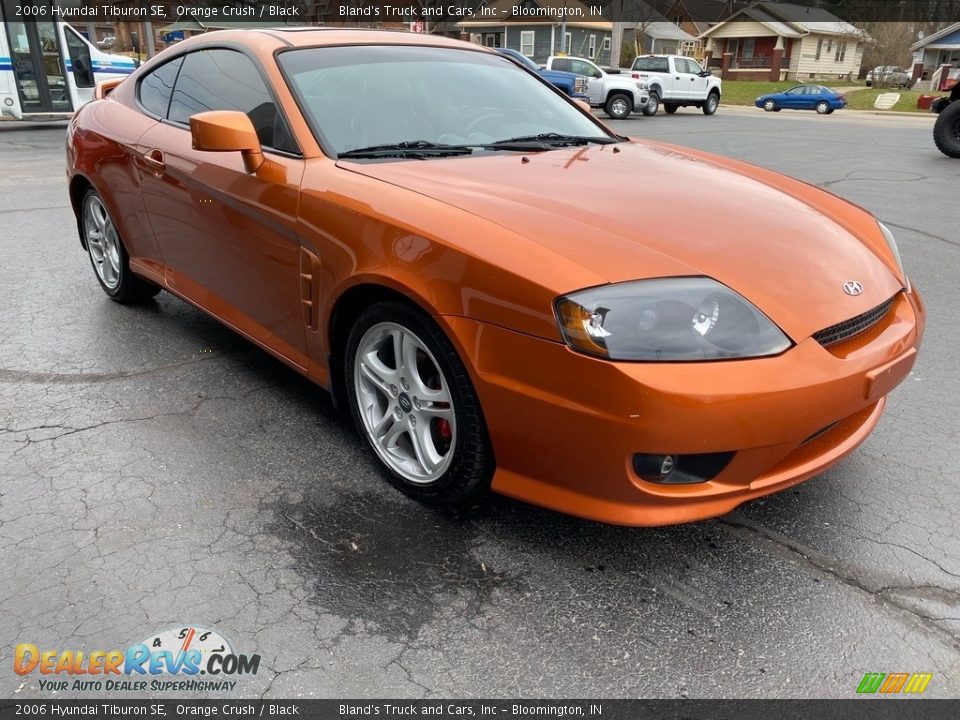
448 244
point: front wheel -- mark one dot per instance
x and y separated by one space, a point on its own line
653 104
946 131
823 108
619 106
413 402
711 104
108 256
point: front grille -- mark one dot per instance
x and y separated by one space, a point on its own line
854 326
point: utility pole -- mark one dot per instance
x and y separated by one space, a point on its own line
616 41
151 48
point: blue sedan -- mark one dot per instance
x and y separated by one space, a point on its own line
803 97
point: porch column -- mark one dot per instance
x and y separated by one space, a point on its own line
917 72
725 69
944 75
775 60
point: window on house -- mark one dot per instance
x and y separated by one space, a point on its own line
592 47
568 43
606 44
748 44
841 52
819 48
526 42
678 20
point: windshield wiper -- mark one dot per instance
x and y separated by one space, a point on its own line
421 149
408 148
555 139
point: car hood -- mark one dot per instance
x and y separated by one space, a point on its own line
640 210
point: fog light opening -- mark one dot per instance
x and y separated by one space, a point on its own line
680 469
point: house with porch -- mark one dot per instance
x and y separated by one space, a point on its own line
936 58
781 41
695 17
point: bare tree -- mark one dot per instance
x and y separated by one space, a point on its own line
646 16
887 44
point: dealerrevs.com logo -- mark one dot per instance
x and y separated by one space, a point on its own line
170 660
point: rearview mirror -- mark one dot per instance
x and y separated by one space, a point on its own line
227 131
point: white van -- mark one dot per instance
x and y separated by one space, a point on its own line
48 69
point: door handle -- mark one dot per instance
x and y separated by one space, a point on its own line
154 160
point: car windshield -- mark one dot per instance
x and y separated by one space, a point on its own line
367 96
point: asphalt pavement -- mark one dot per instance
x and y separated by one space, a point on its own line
156 470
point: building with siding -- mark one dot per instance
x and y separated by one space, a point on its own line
781 41
533 28
937 58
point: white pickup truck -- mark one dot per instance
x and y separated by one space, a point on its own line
618 95
676 81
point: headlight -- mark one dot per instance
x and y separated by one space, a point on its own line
669 319
642 85
892 244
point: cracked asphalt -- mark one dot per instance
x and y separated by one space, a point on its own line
157 470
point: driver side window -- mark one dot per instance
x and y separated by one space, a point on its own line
219 79
584 68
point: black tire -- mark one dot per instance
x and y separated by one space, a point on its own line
669 108
946 131
711 104
823 108
470 471
653 104
126 287
619 106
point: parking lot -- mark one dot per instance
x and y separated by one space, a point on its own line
157 470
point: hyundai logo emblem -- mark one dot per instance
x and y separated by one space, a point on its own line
852 287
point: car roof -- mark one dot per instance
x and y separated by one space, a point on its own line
271 39
310 36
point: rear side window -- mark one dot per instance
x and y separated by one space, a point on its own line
228 80
652 64
157 86
562 65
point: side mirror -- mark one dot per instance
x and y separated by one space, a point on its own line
705 73
227 131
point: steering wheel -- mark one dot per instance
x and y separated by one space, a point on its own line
469 129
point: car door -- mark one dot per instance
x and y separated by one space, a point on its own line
791 98
594 79
811 97
695 85
227 236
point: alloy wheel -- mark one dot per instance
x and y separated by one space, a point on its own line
103 243
405 403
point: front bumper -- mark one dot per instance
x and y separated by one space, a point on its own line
565 426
